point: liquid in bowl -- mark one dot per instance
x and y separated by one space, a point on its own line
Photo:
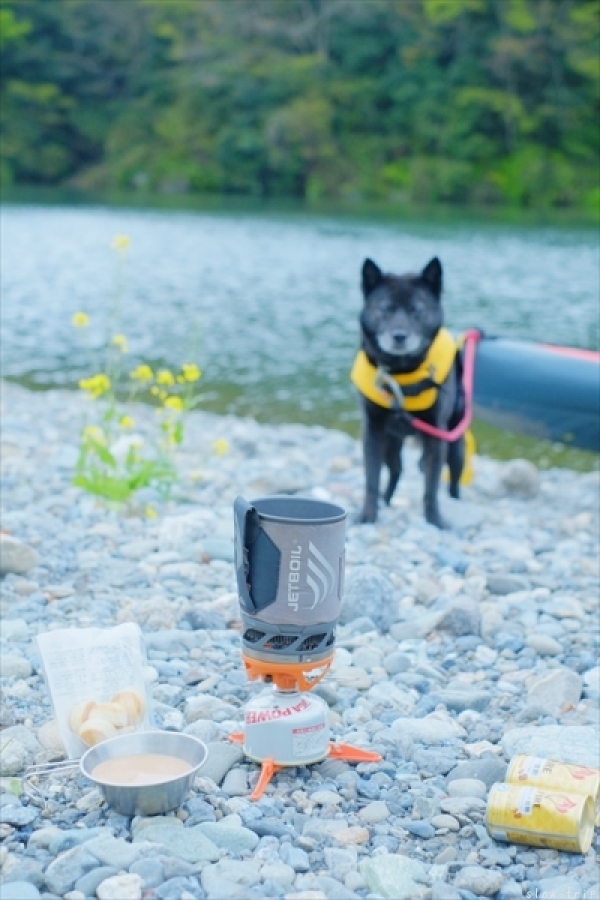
140 769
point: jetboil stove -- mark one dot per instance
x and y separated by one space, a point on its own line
289 558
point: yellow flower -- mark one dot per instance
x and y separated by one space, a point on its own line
126 422
96 385
120 243
93 433
120 341
142 373
174 403
151 512
221 447
80 320
165 377
191 372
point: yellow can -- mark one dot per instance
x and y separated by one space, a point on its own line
536 771
541 818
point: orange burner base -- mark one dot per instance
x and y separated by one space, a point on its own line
336 751
287 676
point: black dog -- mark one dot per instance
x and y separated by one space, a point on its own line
408 367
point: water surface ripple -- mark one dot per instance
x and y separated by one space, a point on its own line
267 304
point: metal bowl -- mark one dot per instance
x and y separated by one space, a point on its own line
150 799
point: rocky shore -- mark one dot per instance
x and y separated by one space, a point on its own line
455 650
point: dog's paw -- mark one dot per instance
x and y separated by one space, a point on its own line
437 519
366 517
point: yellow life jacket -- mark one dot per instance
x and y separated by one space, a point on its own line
419 388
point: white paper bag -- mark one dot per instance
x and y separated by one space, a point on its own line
91 666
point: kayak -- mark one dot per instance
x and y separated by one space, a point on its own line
542 390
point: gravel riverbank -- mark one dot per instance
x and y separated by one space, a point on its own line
456 649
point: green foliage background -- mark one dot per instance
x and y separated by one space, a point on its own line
407 101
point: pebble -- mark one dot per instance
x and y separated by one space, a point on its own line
395 876
544 645
13 665
19 890
467 787
88 884
442 891
421 828
462 806
556 693
579 744
520 478
481 882
189 844
16 557
120 887
235 840
455 650
445 821
487 769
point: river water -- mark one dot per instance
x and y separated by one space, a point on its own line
267 303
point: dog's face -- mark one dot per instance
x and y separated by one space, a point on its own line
402 314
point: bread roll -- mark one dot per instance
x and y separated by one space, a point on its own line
95 730
79 714
133 703
115 713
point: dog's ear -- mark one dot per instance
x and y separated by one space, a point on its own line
371 276
432 276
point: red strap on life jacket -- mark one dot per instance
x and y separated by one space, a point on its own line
472 337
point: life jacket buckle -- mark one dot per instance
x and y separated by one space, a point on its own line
386 383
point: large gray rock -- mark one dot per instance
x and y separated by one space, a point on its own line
504 583
15 630
230 878
556 692
17 815
222 757
69 867
544 645
579 744
395 877
369 592
19 748
460 618
459 700
121 887
19 868
7 716
19 890
234 839
488 769
112 851
13 665
50 738
186 843
520 478
15 556
560 886
480 881
435 728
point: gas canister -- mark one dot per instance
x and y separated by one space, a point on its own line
540 817
551 774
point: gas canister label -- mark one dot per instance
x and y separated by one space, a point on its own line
525 802
308 741
256 716
532 766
